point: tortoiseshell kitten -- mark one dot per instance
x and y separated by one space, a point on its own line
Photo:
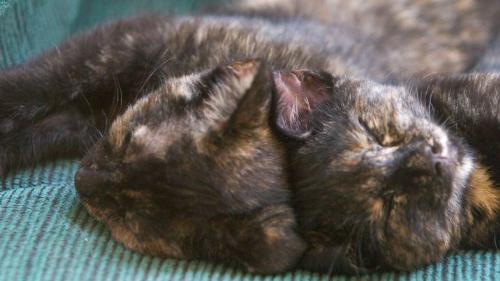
413 36
194 140
391 177
192 170
58 103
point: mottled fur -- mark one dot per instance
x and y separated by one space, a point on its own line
395 177
192 170
96 74
184 162
397 37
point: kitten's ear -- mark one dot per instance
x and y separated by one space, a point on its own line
238 95
298 93
254 108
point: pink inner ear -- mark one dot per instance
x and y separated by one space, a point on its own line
299 93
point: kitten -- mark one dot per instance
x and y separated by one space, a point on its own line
60 103
412 37
192 171
378 182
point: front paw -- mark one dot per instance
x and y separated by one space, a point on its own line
12 141
7 161
9 145
273 245
3 168
277 252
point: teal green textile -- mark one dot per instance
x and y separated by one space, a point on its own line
45 233
28 27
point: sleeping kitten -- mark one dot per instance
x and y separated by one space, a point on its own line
413 37
66 100
378 181
59 103
192 170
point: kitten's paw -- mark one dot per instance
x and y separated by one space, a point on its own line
3 171
279 251
273 245
8 159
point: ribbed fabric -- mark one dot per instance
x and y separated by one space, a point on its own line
46 234
28 27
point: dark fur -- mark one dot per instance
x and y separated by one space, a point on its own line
97 74
380 175
194 172
218 191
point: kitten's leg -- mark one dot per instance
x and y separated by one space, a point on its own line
65 133
264 242
261 242
52 102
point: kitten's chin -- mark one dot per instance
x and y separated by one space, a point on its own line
408 235
418 235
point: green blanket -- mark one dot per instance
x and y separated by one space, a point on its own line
45 234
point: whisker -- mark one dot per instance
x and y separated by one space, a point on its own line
359 243
445 123
106 121
335 253
87 102
153 72
117 104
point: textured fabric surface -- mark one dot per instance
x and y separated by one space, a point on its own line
45 234
28 27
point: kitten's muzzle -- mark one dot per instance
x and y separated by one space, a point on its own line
89 181
423 165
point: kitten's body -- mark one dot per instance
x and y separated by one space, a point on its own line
101 71
399 38
380 182
60 101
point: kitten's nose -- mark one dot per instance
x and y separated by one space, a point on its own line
440 163
427 159
90 180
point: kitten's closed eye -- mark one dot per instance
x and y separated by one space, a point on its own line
371 141
196 161
384 138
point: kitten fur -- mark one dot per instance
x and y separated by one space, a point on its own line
379 182
143 103
112 65
192 170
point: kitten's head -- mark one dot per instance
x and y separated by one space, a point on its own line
200 145
377 183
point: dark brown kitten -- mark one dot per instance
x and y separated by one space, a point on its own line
192 171
59 103
74 96
378 182
412 36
